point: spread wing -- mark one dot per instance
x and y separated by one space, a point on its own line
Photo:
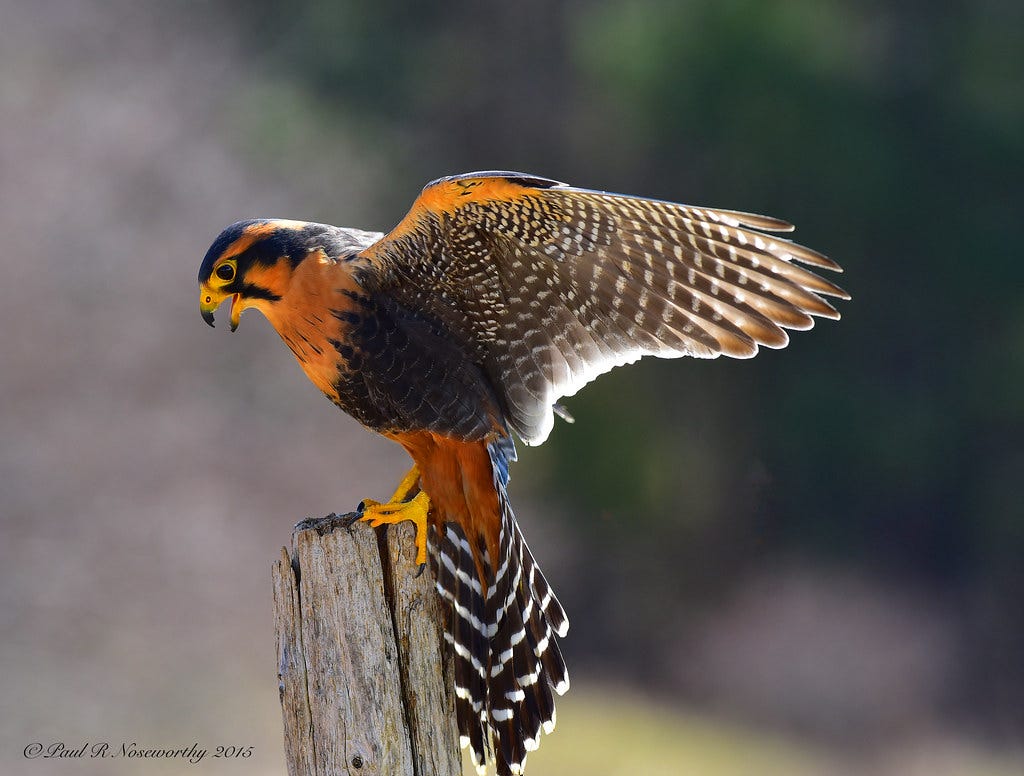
548 286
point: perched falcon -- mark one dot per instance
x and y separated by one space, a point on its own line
498 294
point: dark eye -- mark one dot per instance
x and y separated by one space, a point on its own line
226 272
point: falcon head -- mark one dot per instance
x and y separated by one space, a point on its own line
252 262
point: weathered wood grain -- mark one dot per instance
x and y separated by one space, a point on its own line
364 681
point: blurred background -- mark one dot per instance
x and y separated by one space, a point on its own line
809 563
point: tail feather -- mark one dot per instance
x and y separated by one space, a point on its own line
457 584
543 594
508 723
507 660
546 651
534 694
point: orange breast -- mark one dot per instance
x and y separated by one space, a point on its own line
306 317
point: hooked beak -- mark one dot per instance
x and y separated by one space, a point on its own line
209 301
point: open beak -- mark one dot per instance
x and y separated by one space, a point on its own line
236 310
208 302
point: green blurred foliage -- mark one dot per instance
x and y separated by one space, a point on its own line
614 733
893 134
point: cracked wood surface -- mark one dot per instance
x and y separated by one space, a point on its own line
364 679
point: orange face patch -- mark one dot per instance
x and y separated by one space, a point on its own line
275 278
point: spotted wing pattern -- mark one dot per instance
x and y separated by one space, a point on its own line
548 286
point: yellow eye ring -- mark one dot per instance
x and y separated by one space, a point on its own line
226 272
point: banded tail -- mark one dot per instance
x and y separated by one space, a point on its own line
507 661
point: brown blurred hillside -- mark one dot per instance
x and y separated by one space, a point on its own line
813 557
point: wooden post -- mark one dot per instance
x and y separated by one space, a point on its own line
364 677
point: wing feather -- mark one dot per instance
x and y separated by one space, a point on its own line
548 286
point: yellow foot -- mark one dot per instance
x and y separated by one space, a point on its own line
397 511
409 482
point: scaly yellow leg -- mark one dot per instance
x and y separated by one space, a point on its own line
409 481
398 510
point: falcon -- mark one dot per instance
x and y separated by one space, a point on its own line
498 294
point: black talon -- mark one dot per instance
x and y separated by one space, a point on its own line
419 571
